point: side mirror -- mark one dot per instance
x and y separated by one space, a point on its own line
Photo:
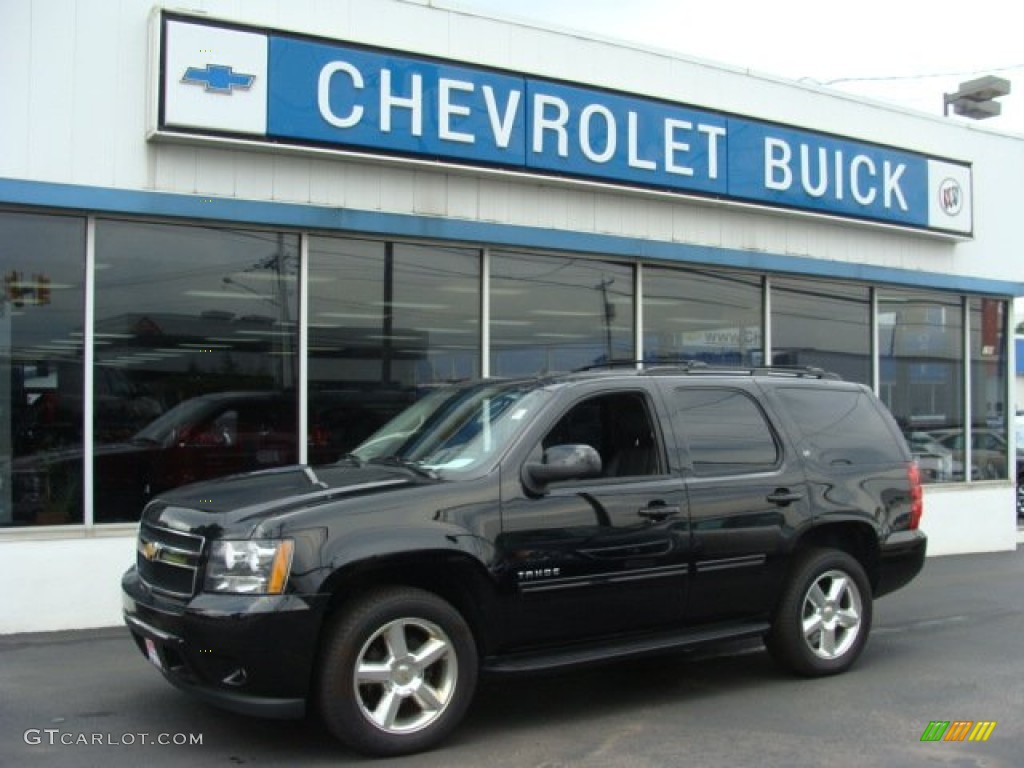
562 462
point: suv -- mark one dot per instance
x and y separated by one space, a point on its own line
528 525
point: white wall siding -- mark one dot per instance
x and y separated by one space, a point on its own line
985 523
72 583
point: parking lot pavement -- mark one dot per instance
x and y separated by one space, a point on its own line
948 648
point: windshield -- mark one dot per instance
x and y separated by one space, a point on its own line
166 429
456 428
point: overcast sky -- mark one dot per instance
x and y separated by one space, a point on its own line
909 52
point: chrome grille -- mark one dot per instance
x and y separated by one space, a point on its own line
168 561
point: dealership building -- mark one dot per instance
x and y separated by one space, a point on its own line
242 236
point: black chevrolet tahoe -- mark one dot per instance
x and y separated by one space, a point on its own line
508 526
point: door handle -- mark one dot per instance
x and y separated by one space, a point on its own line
657 511
783 496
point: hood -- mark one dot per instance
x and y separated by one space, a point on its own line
237 504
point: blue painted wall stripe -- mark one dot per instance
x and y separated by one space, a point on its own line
101 200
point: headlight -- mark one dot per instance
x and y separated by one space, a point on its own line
257 567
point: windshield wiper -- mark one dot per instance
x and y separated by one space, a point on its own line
398 461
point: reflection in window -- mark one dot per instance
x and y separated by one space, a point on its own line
42 259
198 325
822 324
724 431
920 350
553 313
989 366
386 321
714 317
839 428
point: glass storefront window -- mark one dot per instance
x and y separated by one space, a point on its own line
823 324
196 349
920 350
556 313
989 367
714 317
42 259
196 340
387 321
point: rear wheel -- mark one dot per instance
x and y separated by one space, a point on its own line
824 617
397 673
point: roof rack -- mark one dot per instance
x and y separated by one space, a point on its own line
637 363
662 366
795 371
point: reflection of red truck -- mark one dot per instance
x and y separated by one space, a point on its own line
50 413
204 437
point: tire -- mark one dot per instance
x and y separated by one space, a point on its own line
397 672
824 616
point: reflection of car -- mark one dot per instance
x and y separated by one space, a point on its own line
988 450
528 525
51 416
1019 434
936 461
204 437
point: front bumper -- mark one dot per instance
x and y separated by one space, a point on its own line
247 654
900 560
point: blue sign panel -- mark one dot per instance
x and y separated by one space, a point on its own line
297 91
378 101
799 169
583 132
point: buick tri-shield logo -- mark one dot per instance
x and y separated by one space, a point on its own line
951 197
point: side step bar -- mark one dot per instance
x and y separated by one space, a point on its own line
618 648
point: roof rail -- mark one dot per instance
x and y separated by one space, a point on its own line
637 363
796 371
686 365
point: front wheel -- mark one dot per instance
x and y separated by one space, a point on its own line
823 619
397 672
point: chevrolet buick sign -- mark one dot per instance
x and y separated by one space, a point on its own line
229 81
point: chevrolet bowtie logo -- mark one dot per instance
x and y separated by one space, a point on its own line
150 549
217 78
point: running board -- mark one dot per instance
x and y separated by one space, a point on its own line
619 648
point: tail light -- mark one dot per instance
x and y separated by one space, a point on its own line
916 495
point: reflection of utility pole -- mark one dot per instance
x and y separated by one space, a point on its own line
609 315
278 265
289 361
388 319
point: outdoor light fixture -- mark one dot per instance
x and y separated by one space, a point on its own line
975 98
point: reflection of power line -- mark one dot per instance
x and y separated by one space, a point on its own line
168 245
228 280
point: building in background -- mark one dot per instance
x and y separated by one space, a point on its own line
243 237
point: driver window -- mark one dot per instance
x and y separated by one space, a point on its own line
223 431
618 427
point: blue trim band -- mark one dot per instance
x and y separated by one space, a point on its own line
318 217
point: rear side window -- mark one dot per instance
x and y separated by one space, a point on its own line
840 426
724 430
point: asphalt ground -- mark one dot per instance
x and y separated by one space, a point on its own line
949 647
